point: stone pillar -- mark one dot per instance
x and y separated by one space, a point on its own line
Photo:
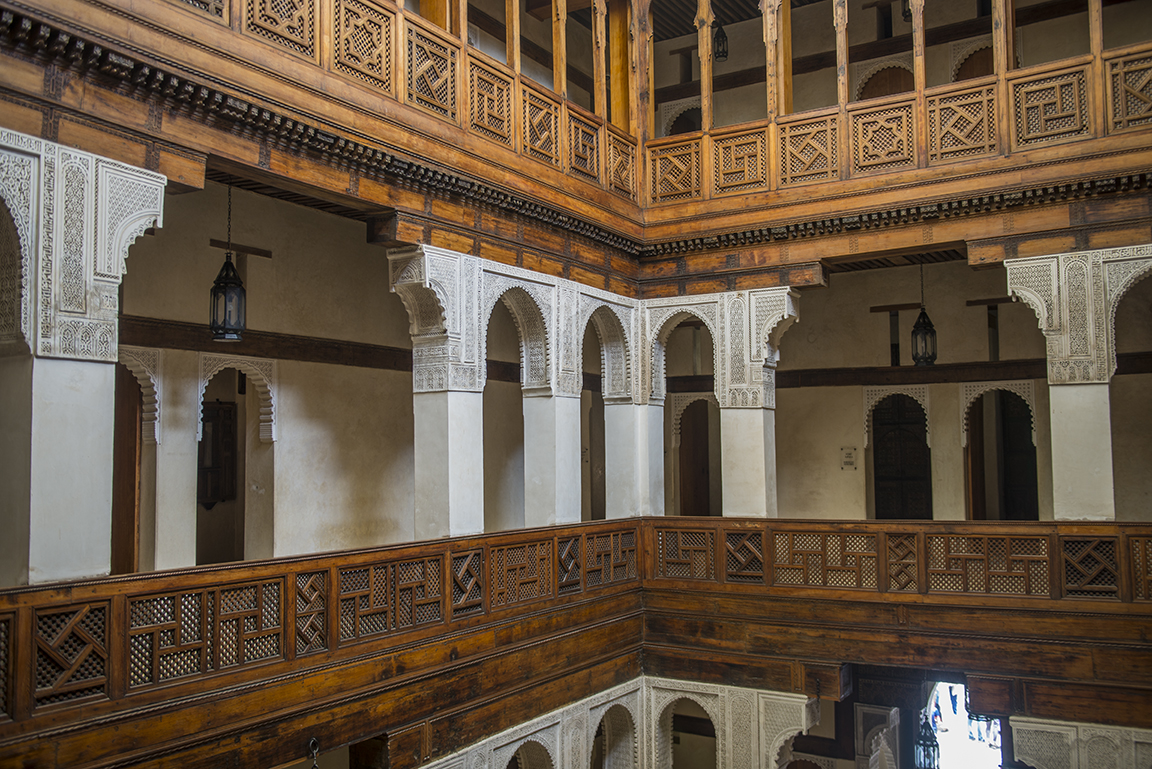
634 459
748 457
449 463
67 221
551 459
1075 296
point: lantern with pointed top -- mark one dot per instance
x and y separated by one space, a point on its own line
923 333
227 298
720 44
927 747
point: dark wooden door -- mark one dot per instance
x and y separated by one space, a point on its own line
901 460
1019 500
126 473
694 477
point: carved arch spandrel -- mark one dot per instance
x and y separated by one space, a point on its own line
262 374
145 363
873 396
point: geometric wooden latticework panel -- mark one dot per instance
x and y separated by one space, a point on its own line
744 557
1091 568
962 125
521 573
1130 92
903 572
808 151
467 583
686 554
387 597
609 558
584 148
71 645
362 44
882 139
248 625
431 79
569 568
290 23
311 612
490 103
541 131
1050 108
739 163
999 565
1142 567
676 172
825 560
622 166
215 8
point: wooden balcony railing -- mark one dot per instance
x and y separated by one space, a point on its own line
80 651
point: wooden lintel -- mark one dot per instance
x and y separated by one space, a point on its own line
993 300
896 307
239 248
395 230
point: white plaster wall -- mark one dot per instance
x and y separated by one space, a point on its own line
176 459
344 465
812 425
15 467
1131 401
948 501
503 431
1127 23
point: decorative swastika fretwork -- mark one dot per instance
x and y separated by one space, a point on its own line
686 554
675 172
362 46
5 663
882 139
215 8
169 636
467 583
1090 567
998 565
365 601
311 612
431 70
290 23
1130 92
568 565
490 105
610 558
962 125
521 573
419 592
622 166
71 644
740 163
1051 108
583 148
744 557
813 559
248 626
1141 568
902 563
808 151
541 130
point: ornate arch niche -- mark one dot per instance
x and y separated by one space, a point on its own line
681 401
970 391
664 702
873 396
621 746
614 348
262 373
962 50
538 750
527 306
144 363
13 286
663 321
864 71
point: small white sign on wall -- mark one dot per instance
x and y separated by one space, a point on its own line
848 458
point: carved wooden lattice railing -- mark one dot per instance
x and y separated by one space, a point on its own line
76 650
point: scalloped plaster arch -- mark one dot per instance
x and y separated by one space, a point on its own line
531 327
144 363
132 209
615 353
668 319
263 375
532 755
621 740
663 735
671 110
681 401
1142 268
963 50
864 71
13 283
873 395
970 391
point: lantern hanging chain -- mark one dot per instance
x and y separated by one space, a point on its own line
921 283
228 253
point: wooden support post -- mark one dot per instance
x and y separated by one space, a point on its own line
560 48
704 19
619 59
1003 35
599 51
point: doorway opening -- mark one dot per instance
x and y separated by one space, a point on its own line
1000 459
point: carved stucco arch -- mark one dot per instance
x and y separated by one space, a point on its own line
665 701
144 363
615 350
865 72
13 284
970 391
424 300
1121 276
963 50
873 396
262 376
669 111
529 309
667 319
532 755
621 738
540 748
18 198
681 401
132 209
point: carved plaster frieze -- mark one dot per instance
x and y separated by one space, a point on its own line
873 395
262 374
1068 745
75 215
970 391
144 363
1075 297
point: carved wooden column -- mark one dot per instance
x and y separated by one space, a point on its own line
67 222
1075 297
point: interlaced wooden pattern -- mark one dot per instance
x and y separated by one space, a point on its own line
1130 91
290 23
569 567
816 559
740 163
71 646
431 68
541 127
882 139
744 557
610 558
622 166
490 103
808 151
216 8
1090 567
962 125
419 592
521 572
467 583
675 172
1050 108
311 612
1142 567
976 564
169 637
5 663
686 554
903 560
362 45
376 599
248 624
583 148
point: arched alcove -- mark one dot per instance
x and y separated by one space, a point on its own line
503 424
686 736
1130 406
530 755
13 322
1000 453
886 81
899 459
616 745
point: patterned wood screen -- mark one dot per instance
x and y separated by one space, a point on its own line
808 151
362 44
962 125
675 172
288 23
974 564
686 554
1049 108
882 138
622 166
1130 92
826 560
431 73
490 103
583 148
740 163
541 126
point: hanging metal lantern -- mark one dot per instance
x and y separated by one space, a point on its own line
227 298
906 10
927 748
720 44
923 333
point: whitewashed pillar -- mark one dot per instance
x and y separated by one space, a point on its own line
634 458
68 222
551 459
748 459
